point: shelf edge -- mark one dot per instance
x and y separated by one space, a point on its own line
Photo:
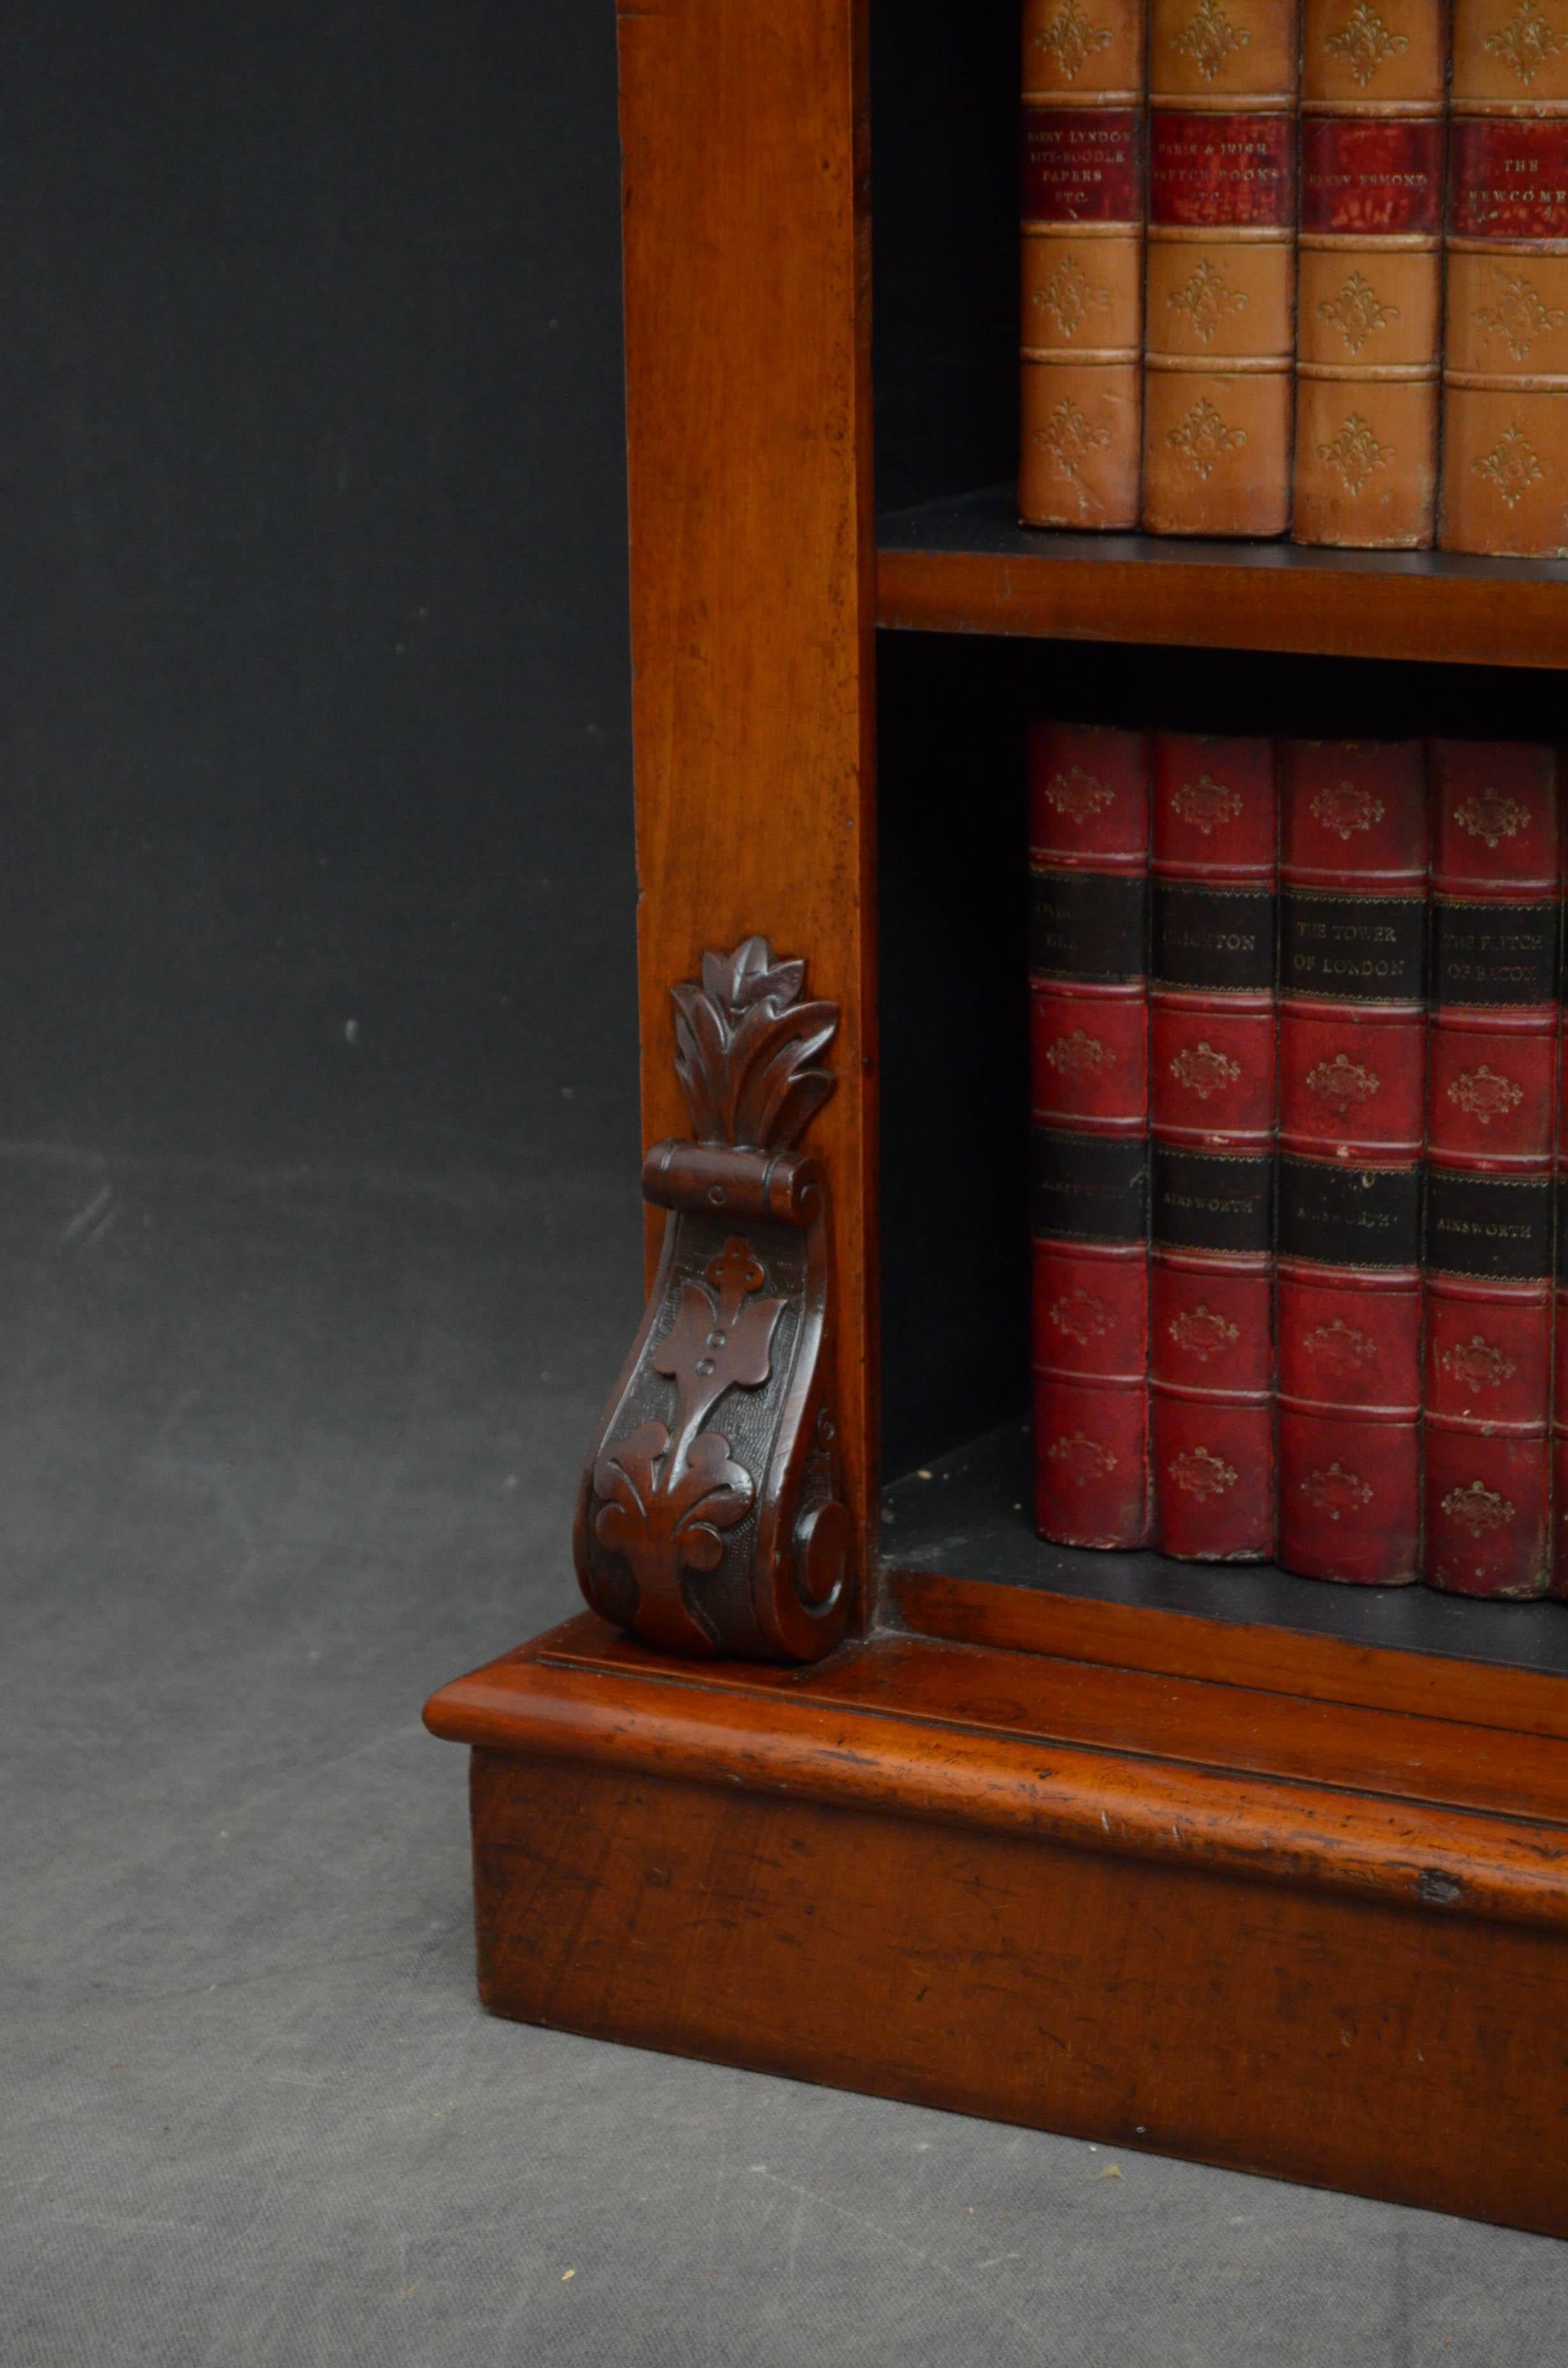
1206 604
658 1719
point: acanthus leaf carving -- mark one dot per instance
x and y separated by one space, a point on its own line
746 1045
710 1516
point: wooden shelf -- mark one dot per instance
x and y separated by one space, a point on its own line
966 566
964 1562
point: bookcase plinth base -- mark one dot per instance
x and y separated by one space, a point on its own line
857 1877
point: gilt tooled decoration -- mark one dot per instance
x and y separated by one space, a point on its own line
709 1520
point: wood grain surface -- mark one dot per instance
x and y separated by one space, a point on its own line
1168 2005
1263 597
1273 1659
1424 1814
748 414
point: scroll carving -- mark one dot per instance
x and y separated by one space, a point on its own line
709 1518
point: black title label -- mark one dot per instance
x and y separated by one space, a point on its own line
1087 1189
1494 953
1213 936
1087 925
1203 1201
1339 1215
1353 949
1489 1225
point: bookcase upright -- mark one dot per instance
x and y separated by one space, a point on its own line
872 1788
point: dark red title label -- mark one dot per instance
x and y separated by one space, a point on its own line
1081 165
1509 178
1359 176
1223 171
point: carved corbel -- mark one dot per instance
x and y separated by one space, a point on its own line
709 1520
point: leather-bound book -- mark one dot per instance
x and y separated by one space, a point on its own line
1491 1117
1505 341
1089 1012
1219 339
1368 297
1084 148
1211 1114
1352 1120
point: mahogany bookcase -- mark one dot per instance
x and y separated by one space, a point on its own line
869 1786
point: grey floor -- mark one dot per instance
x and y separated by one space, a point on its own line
281 1449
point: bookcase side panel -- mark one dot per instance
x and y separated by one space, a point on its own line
746 240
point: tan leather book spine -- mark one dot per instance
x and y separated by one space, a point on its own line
1369 274
1084 154
1218 342
1505 487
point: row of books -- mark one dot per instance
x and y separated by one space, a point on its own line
1284 272
1295 1012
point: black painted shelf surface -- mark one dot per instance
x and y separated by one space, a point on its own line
967 1517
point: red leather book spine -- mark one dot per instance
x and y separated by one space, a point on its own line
1211 1115
1352 1116
1490 1115
1088 962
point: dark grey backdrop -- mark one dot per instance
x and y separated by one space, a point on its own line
313 603
318 1243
